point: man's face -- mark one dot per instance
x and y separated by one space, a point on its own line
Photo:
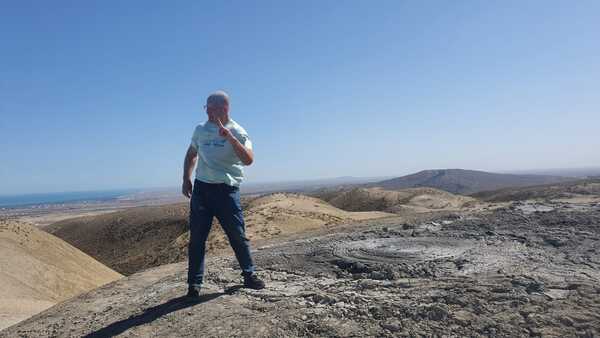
215 112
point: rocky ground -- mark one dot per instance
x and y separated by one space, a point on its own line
518 271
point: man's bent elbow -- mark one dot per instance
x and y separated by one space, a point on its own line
247 158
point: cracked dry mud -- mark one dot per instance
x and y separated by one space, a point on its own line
508 272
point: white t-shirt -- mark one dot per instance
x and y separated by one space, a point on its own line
217 161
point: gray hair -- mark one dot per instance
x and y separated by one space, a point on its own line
218 98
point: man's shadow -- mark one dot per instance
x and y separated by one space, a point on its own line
155 312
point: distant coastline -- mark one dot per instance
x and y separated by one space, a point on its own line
47 208
44 199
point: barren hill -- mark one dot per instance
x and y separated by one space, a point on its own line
144 237
461 181
127 240
396 201
288 213
504 273
38 270
579 188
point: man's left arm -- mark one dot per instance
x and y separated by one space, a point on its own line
244 153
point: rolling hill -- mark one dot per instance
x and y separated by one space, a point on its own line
464 182
39 270
413 200
144 237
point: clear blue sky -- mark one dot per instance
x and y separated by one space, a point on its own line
106 94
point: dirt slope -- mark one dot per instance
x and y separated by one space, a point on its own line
127 240
396 201
144 237
288 213
505 273
37 270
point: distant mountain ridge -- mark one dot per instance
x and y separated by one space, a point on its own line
570 189
465 182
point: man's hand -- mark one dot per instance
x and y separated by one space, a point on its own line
244 154
191 156
224 132
186 188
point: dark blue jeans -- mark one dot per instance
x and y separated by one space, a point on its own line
222 201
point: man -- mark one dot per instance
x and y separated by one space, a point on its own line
221 148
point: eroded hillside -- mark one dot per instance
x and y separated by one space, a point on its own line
139 238
38 270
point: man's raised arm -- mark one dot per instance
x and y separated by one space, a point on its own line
243 153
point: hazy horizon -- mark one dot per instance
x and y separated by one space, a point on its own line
567 172
106 95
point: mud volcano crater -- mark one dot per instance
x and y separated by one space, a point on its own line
394 257
394 250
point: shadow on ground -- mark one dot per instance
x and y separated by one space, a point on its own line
153 313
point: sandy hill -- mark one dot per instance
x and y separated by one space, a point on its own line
37 270
460 181
139 238
288 213
575 189
396 201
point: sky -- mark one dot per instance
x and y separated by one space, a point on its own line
106 94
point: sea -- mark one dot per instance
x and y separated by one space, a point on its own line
20 201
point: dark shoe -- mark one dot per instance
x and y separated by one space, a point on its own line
193 292
251 281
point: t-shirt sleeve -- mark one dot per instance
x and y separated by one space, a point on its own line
245 140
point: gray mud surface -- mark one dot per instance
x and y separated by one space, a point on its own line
507 273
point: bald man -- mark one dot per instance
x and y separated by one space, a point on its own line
220 147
